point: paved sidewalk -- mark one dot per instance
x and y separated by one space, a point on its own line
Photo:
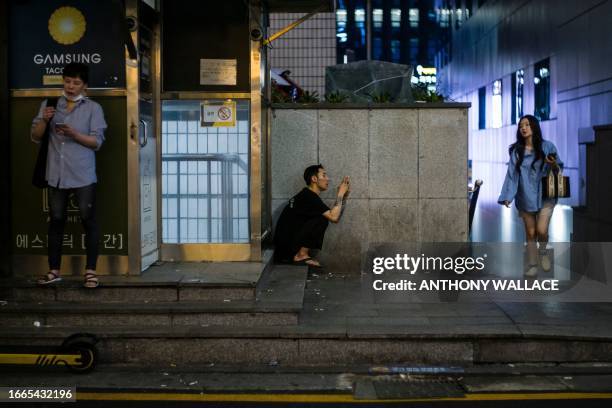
333 320
347 301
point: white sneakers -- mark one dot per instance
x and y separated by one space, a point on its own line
532 271
545 263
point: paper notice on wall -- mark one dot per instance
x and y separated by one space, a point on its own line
218 71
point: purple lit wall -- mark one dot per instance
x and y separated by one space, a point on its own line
504 36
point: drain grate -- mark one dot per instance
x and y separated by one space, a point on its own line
408 388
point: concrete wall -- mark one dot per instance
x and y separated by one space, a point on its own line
505 36
408 169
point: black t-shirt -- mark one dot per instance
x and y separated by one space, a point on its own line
304 206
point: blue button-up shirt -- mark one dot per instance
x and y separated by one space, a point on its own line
69 163
525 185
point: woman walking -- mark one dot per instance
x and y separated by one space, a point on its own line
531 158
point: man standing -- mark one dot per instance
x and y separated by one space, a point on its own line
302 224
76 132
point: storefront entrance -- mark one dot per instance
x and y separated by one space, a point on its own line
182 174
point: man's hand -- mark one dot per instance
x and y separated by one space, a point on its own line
70 132
39 127
507 204
345 187
48 113
67 131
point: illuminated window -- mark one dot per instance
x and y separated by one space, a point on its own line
413 17
341 18
359 15
518 80
377 18
396 16
443 17
461 16
497 104
541 79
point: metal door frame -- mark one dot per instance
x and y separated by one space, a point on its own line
133 96
250 251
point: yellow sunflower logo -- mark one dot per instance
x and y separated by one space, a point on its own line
67 25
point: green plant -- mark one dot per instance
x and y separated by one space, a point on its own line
421 93
308 97
380 97
335 97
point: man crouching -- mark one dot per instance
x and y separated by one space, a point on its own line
302 224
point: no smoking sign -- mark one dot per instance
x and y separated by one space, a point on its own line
218 113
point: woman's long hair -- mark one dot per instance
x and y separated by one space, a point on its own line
518 147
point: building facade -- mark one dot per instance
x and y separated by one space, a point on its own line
549 58
401 31
411 32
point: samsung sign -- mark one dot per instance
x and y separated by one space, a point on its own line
67 58
61 32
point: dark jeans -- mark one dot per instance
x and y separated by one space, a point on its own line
58 205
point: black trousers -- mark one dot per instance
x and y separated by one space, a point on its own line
310 234
58 205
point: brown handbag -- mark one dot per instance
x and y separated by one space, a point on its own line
555 185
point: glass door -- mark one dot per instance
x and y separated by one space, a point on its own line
205 172
149 236
148 146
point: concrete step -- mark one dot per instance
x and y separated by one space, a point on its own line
71 290
279 299
161 314
169 282
315 346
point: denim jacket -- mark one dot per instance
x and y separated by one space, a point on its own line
525 185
